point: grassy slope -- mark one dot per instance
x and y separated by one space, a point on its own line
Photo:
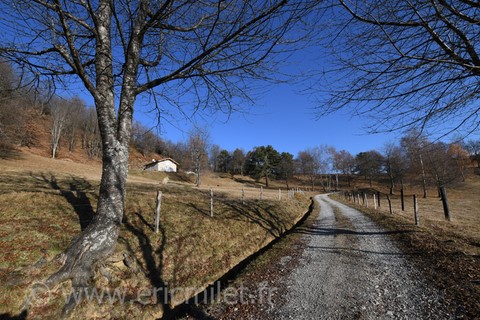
464 203
43 203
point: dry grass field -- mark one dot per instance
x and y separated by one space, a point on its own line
464 204
44 203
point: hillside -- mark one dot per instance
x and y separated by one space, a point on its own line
45 203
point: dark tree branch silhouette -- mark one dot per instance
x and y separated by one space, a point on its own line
407 64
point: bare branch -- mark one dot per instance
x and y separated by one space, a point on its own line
406 64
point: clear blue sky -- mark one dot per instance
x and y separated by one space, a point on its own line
284 119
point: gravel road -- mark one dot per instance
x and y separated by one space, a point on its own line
350 269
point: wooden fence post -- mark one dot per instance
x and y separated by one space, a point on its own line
157 211
446 210
358 198
402 199
378 198
374 202
366 199
211 202
279 194
389 203
415 210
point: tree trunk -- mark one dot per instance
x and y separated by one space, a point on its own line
54 151
424 180
197 178
392 185
322 183
98 240
461 167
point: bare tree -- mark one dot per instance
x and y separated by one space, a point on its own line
178 151
345 163
308 165
407 63
414 144
120 50
8 110
214 153
460 158
144 139
59 109
396 164
75 114
324 162
442 164
238 161
198 144
91 140
473 148
8 81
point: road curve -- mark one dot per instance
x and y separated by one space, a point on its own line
351 269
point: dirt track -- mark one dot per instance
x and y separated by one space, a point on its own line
350 269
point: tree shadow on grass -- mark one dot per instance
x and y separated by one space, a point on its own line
153 257
7 316
260 216
198 209
343 231
144 221
76 195
246 182
153 269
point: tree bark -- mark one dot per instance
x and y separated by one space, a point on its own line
98 240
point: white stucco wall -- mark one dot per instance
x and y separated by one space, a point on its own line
165 166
